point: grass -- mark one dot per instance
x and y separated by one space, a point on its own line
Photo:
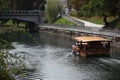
113 22
63 21
97 19
9 22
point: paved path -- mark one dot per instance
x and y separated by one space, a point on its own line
80 22
74 20
94 28
89 24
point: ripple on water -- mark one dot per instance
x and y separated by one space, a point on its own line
52 63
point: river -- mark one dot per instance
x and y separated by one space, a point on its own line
51 59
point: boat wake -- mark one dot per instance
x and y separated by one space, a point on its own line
67 55
108 62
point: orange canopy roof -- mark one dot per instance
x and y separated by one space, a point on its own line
90 39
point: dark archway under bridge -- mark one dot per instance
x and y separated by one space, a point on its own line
31 18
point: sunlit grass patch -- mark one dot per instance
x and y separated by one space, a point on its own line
63 21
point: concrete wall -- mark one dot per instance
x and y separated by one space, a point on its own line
72 33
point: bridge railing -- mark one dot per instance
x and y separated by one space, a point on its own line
20 12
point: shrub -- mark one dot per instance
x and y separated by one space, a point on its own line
53 9
75 14
10 64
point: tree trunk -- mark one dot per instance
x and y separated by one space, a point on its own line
105 20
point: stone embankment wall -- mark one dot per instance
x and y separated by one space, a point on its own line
72 33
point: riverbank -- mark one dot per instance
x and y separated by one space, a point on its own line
82 31
12 64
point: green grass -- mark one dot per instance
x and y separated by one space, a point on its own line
63 21
113 22
97 19
9 22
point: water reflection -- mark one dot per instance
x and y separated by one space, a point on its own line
51 59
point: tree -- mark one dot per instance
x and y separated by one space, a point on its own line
111 7
29 4
42 5
76 4
53 9
5 4
20 4
118 8
93 8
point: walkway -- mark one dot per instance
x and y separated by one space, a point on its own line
80 22
88 24
93 28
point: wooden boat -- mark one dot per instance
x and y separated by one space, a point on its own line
89 45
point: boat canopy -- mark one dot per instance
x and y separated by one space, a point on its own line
90 39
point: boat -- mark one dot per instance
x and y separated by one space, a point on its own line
91 45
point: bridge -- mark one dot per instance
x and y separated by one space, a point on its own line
25 15
30 16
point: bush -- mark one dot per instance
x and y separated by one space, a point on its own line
9 35
75 14
53 9
10 64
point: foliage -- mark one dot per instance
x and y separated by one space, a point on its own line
118 8
97 7
74 13
5 44
4 4
93 8
112 8
10 34
76 4
102 7
20 4
53 9
4 41
10 64
114 24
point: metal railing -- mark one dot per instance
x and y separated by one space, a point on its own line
20 12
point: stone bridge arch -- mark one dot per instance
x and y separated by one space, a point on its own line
32 17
